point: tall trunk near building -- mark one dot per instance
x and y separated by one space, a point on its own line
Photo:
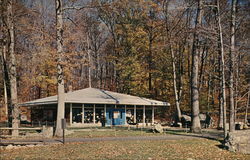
60 78
150 88
4 70
196 127
220 122
223 85
90 64
237 78
3 50
208 92
231 68
177 90
220 97
12 69
177 96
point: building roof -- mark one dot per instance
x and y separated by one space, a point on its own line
98 96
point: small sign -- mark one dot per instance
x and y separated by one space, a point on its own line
63 123
116 114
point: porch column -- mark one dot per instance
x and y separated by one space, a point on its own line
105 109
83 113
153 114
125 114
94 114
70 114
144 116
134 113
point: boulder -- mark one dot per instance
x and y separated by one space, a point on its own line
238 141
186 120
10 147
47 132
158 128
245 126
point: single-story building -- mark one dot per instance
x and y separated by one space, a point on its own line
91 106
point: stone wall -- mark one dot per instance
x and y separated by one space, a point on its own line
238 141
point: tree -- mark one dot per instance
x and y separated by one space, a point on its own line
222 60
12 68
60 80
194 72
3 50
232 68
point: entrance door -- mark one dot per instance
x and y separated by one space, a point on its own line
116 116
77 115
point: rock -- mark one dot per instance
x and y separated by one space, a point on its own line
245 126
186 121
186 118
179 124
239 125
47 132
10 147
31 145
158 128
238 141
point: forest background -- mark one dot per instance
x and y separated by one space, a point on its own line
140 47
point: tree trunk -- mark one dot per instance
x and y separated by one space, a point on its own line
248 99
60 80
3 50
220 122
12 69
196 127
90 61
177 98
223 87
231 68
4 69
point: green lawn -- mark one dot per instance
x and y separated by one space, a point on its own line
157 149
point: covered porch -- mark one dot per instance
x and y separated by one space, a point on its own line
96 107
94 114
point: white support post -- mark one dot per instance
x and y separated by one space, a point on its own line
105 110
144 116
125 114
134 113
83 113
94 114
70 114
153 114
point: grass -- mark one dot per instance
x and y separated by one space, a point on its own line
143 149
108 132
168 149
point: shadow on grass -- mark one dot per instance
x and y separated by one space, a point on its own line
206 135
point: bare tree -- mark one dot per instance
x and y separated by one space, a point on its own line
196 127
3 50
247 105
12 68
231 68
60 79
223 85
177 96
90 60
